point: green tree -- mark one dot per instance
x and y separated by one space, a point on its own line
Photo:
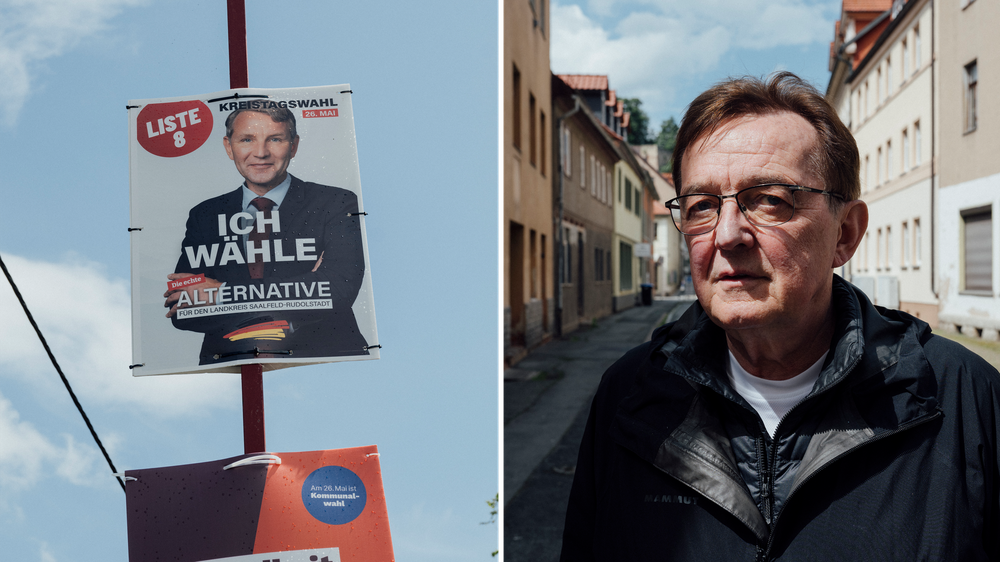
493 503
638 127
667 140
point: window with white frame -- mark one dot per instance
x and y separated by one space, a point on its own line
917 154
888 160
905 243
879 167
865 264
593 175
864 100
868 174
916 242
878 86
890 254
583 168
917 55
971 81
906 59
878 251
888 76
567 153
906 151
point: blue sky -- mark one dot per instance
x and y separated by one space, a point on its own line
424 77
666 52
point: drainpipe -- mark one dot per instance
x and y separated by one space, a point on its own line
934 180
561 259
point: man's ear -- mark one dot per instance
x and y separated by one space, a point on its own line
853 225
229 147
295 147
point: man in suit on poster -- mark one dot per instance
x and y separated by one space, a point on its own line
272 268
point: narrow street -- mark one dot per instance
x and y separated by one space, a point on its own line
546 401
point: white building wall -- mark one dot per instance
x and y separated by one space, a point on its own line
628 230
889 112
958 308
666 252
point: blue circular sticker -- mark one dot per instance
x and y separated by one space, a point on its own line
334 495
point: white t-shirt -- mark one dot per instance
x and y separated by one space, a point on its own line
772 399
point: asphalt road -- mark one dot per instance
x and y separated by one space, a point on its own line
546 401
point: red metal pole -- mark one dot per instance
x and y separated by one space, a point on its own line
253 408
238 74
252 375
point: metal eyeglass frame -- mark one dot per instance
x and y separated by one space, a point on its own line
672 204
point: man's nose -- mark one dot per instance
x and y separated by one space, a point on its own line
260 149
733 229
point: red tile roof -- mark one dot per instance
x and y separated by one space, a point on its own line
612 99
867 5
585 81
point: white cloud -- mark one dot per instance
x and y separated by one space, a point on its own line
27 456
34 30
653 44
85 317
45 555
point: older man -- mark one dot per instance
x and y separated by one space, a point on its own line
281 257
784 417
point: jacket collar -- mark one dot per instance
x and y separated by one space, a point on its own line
877 380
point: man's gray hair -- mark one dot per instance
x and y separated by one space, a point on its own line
277 114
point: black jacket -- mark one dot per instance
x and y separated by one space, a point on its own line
324 217
892 456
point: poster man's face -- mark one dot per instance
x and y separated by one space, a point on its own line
261 149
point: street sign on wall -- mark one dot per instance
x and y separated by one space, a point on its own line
248 232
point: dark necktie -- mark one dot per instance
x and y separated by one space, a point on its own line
257 238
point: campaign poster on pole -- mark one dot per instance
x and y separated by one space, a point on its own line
248 232
316 506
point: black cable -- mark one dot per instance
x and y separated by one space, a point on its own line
59 370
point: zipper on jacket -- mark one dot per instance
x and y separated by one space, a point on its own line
766 480
886 435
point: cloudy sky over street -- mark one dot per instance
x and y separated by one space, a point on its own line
67 70
666 52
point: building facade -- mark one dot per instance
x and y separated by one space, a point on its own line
665 273
527 162
582 192
968 199
631 185
883 87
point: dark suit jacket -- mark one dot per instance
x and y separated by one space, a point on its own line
309 210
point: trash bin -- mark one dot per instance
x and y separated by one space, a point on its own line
647 294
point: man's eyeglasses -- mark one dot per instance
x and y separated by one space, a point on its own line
770 204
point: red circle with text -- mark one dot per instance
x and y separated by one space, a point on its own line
174 129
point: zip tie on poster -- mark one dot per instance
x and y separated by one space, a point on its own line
121 476
237 96
136 365
362 213
371 455
130 229
127 107
378 345
256 352
258 459
347 91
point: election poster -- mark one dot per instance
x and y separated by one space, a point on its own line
317 506
248 232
